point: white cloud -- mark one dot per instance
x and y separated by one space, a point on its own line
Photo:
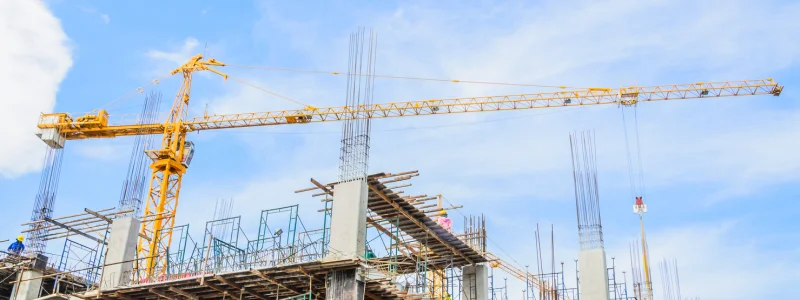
178 55
35 57
91 10
103 150
162 60
712 258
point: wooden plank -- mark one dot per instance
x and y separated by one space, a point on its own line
183 293
74 230
420 224
322 187
239 287
396 239
121 296
371 295
94 213
64 217
159 293
273 281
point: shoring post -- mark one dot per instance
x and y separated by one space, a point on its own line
205 261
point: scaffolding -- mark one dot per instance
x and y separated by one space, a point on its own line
408 254
76 267
618 290
497 292
77 256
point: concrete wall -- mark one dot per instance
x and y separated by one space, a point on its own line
28 289
122 241
475 282
593 274
348 222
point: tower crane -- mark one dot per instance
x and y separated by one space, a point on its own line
172 159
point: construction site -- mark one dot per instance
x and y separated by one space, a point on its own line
380 237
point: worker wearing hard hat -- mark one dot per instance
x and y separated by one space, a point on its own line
444 221
17 247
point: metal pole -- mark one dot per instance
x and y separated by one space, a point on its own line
614 270
577 282
527 281
491 283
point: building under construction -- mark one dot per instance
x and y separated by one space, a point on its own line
408 253
377 241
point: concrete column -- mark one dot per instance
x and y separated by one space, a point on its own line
348 220
593 274
28 289
345 285
475 282
122 240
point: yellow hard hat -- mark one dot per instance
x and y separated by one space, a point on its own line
20 238
443 212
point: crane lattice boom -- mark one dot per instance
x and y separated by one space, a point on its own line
96 126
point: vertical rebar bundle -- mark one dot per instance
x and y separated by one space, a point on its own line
475 232
354 155
587 198
45 199
670 280
640 290
223 210
136 180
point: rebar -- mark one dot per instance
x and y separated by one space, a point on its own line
45 200
136 179
354 155
587 198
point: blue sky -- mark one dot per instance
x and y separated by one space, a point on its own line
721 174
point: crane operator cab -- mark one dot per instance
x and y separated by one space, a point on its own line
186 156
188 153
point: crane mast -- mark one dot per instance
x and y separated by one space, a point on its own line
172 158
169 165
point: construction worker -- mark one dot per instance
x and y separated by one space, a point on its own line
444 221
17 247
370 254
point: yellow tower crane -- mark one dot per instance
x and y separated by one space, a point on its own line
171 160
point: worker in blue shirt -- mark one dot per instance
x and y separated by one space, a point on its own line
17 247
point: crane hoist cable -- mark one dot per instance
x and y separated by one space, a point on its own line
268 91
487 236
406 77
635 168
129 94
